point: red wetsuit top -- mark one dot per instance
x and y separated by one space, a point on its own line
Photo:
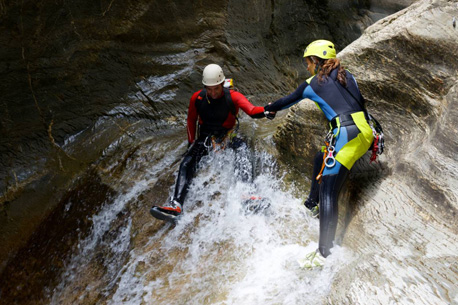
215 115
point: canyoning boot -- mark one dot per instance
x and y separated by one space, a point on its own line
313 207
312 260
168 212
315 211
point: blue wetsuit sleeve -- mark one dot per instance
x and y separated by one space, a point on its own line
287 101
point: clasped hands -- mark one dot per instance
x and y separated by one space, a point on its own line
269 114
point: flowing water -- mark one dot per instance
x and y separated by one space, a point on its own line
219 252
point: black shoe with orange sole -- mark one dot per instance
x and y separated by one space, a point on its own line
170 211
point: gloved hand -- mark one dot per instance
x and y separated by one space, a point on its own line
269 114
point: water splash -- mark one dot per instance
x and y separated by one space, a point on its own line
219 253
110 234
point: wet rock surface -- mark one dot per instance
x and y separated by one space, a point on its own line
52 242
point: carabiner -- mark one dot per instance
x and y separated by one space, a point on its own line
329 137
209 145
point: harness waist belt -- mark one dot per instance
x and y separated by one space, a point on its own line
344 119
217 137
217 132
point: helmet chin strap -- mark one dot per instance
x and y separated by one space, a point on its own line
318 64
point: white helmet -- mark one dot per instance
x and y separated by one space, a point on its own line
213 75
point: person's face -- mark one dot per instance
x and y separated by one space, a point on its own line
215 91
310 65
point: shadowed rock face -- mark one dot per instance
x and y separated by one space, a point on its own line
404 211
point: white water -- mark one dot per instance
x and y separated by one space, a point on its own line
217 253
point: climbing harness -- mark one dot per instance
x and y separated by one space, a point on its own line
378 145
218 143
328 150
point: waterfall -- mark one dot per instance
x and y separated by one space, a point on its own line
219 252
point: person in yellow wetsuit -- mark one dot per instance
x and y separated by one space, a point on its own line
336 93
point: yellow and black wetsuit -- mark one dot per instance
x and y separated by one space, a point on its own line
352 135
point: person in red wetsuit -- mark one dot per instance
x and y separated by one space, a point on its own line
212 115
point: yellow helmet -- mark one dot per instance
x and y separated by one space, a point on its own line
321 48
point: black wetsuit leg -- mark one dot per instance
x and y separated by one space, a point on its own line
329 193
188 168
314 195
